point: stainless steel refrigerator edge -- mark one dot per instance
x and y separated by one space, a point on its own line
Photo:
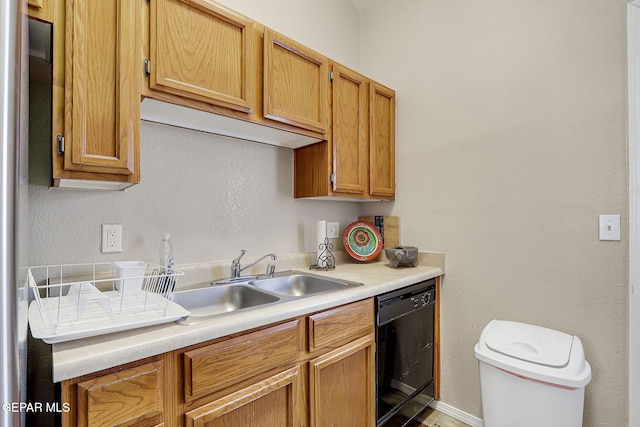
13 204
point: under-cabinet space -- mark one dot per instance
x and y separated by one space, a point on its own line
203 70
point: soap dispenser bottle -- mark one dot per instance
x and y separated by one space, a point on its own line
167 282
166 252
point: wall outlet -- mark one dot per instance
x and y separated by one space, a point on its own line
333 230
111 238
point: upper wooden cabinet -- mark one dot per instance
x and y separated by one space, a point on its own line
296 83
96 92
382 141
358 159
349 136
203 52
217 71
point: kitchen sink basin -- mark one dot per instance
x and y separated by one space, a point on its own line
212 300
300 285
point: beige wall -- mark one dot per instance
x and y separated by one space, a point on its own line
214 195
511 142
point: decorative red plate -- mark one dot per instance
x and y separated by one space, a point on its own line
362 241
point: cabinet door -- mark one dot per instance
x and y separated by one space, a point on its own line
102 95
296 83
129 397
342 386
203 52
382 141
348 136
275 401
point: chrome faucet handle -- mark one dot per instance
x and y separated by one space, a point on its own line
235 264
242 252
271 269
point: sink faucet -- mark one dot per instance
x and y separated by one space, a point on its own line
236 269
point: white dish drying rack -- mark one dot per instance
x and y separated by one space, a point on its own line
73 301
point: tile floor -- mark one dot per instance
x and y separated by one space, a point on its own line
433 418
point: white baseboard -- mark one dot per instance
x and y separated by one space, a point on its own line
456 413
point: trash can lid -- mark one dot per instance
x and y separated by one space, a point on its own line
530 343
534 352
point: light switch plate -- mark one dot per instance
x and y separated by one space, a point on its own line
609 227
333 230
111 238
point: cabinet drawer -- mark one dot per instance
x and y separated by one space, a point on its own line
336 325
278 400
216 366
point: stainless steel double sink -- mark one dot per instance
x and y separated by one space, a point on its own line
209 301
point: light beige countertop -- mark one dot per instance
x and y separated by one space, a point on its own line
80 357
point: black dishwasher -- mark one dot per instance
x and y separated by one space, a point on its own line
404 353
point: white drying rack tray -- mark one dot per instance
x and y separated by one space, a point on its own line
74 301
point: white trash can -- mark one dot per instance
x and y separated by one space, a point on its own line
531 376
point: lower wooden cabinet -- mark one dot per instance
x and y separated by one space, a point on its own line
316 370
125 397
275 401
342 386
41 10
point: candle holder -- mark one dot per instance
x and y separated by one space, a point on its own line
326 261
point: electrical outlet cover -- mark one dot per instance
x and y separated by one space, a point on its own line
111 238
